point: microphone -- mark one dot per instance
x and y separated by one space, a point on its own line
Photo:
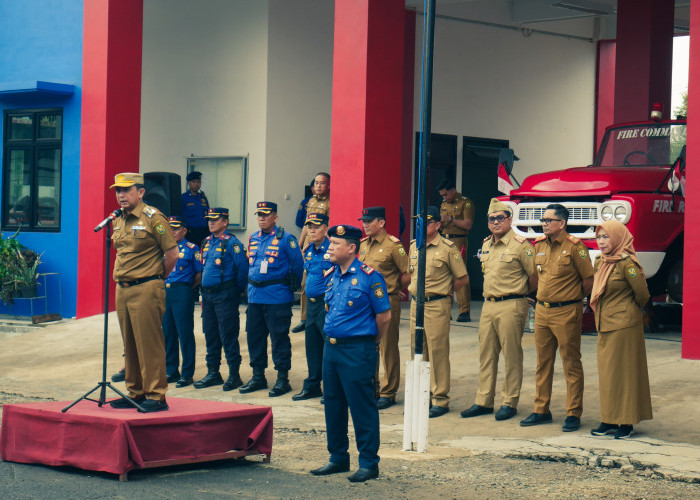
109 219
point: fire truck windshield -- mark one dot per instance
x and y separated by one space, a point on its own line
640 145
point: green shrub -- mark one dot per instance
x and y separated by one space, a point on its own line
18 267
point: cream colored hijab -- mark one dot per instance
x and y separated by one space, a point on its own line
621 242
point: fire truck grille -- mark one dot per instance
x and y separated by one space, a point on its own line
534 214
583 217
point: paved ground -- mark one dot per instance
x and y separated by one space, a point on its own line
62 361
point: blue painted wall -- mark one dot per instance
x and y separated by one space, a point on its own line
42 40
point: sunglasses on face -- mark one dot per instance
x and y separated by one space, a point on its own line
497 218
123 189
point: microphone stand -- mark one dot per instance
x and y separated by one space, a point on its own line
102 385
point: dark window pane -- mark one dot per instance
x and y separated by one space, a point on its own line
19 183
48 187
22 127
50 125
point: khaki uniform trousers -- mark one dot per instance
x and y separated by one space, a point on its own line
389 352
464 294
140 311
436 347
501 328
559 326
302 298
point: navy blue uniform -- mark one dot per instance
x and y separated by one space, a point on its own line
350 360
223 280
273 258
194 208
316 263
178 320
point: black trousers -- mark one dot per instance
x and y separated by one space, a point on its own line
221 323
315 317
273 320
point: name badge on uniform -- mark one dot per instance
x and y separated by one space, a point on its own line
138 227
263 267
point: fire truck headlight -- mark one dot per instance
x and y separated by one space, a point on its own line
606 213
621 213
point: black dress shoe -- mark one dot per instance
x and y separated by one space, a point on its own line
173 378
506 412
254 384
330 468
152 405
300 327
307 394
119 376
363 475
233 382
210 379
323 400
281 387
605 429
571 424
125 404
464 318
184 382
537 419
437 411
475 411
384 403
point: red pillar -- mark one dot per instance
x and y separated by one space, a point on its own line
409 63
110 135
691 284
605 90
366 136
644 57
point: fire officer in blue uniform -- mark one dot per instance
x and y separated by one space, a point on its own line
178 320
223 280
358 316
276 267
317 261
194 209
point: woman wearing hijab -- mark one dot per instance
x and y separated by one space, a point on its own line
619 293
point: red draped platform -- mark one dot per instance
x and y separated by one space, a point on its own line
118 441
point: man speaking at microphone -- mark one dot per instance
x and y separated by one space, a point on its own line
146 253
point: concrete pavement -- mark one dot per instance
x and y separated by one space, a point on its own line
64 360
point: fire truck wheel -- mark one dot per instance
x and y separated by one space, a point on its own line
675 281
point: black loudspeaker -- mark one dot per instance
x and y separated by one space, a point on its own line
163 192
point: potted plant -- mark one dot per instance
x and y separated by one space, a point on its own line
26 277
18 269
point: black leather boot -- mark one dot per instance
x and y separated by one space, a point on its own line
234 379
256 383
213 377
282 385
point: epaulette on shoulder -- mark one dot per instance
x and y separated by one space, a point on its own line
573 239
540 238
306 247
365 238
447 242
519 238
191 245
225 236
150 211
367 269
394 239
623 256
488 238
208 238
328 272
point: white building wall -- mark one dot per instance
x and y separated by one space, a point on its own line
204 87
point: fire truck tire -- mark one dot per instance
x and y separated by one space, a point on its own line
675 281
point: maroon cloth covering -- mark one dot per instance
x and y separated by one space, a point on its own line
117 441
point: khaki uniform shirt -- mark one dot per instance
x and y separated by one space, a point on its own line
507 265
317 205
386 254
141 239
443 263
460 208
625 294
561 265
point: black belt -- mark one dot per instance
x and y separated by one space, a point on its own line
217 288
507 297
317 299
127 284
431 298
179 283
351 340
548 305
260 284
448 236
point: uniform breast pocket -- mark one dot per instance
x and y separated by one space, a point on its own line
436 269
506 257
484 258
356 298
564 262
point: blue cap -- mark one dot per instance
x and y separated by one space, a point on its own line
266 207
215 213
433 214
176 222
317 219
346 232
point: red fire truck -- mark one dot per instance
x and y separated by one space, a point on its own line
637 178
